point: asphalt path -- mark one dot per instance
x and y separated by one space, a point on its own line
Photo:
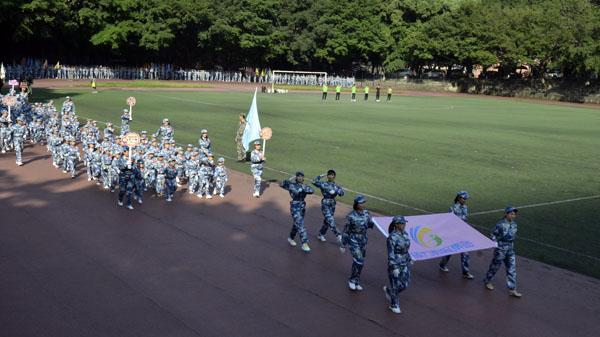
73 263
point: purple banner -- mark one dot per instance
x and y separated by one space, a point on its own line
437 235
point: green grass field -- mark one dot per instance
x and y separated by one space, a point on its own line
416 151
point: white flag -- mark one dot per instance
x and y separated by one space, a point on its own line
2 72
252 130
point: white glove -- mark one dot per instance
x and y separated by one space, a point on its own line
396 272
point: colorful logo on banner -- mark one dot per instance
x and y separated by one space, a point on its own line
425 237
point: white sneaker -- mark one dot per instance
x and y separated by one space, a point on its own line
321 238
191 192
396 310
222 195
130 207
208 196
305 247
387 296
256 194
169 199
199 195
140 201
358 287
120 203
3 151
292 242
64 171
351 285
19 163
89 179
444 269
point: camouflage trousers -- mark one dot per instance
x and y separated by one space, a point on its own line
508 257
257 171
328 210
170 187
398 284
125 188
464 261
220 185
358 248
18 146
241 153
71 165
298 209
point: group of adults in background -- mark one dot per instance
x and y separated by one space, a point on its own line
36 69
338 92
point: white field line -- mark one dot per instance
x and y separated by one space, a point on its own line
547 245
476 213
541 204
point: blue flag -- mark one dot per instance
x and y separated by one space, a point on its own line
252 130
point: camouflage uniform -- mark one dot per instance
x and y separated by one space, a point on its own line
330 191
205 176
241 152
257 169
462 212
72 156
126 184
192 166
166 133
5 133
19 134
504 234
220 177
125 119
298 192
399 260
355 237
170 184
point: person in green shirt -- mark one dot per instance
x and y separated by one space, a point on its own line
324 97
353 92
389 97
338 91
366 93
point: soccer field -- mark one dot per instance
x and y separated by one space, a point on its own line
413 154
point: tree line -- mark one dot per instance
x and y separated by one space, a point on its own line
332 35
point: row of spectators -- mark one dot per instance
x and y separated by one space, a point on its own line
36 69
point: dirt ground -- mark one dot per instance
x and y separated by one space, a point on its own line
73 263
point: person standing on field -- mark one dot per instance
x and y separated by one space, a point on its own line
389 94
241 152
338 91
377 93
366 93
324 97
353 93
